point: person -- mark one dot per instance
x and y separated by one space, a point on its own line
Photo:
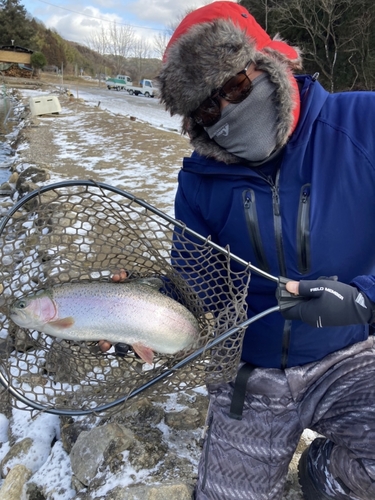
284 173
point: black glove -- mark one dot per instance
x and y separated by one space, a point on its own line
331 303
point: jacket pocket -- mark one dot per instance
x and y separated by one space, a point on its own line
303 230
252 223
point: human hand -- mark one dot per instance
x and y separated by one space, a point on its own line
120 276
330 303
104 345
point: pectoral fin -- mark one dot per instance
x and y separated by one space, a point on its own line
63 322
144 352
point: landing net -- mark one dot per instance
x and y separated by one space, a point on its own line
85 231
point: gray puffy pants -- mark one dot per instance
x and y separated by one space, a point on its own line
248 459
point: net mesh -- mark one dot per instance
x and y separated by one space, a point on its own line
85 233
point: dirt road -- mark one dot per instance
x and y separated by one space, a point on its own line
84 142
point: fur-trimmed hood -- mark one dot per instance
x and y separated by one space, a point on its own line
211 45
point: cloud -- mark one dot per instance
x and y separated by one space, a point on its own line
90 23
164 12
78 27
76 21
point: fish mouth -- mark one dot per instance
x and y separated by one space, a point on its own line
18 319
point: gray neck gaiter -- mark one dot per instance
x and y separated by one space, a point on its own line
249 129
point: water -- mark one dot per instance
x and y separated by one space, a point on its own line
5 149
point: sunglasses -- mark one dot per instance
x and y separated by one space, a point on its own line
235 90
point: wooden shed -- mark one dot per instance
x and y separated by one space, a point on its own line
15 61
15 54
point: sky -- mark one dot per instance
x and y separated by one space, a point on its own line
76 21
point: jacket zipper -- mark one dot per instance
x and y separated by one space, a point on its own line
277 222
253 228
281 259
303 230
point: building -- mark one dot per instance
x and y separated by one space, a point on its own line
15 61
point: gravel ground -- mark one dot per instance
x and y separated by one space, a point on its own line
85 142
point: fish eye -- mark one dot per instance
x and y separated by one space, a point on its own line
21 304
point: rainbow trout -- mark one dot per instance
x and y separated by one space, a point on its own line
134 312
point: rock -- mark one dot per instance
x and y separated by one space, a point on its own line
5 206
175 466
34 492
26 452
185 420
88 452
70 432
148 450
13 486
5 404
33 174
139 412
78 486
25 187
15 454
174 491
13 178
6 189
21 339
29 179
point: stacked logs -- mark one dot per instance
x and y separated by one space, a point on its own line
15 71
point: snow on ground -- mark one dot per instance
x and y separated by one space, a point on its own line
145 109
133 160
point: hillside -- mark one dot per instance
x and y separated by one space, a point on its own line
76 59
20 29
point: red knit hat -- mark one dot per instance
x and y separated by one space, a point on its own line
210 45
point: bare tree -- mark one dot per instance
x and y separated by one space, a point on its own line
172 25
141 51
121 42
160 43
323 25
98 41
260 9
361 54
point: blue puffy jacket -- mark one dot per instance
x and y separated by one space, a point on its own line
315 217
